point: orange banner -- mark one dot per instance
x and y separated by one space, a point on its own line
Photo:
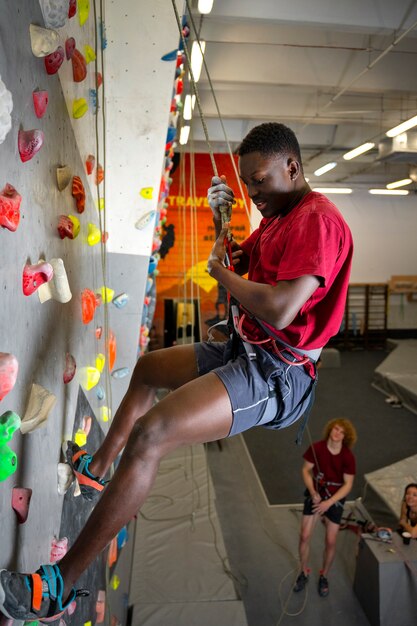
182 270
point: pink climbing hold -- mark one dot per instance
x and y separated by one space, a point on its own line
69 48
9 367
70 368
36 275
9 207
54 60
40 102
59 548
29 142
20 503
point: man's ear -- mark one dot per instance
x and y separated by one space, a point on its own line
293 168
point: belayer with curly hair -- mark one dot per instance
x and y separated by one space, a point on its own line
328 473
287 308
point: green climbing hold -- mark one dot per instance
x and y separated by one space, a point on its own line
9 423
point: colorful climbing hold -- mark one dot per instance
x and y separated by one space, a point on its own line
65 478
55 12
100 362
40 102
69 369
9 423
99 80
79 66
68 226
89 54
100 393
9 367
103 37
83 11
170 56
43 40
99 174
63 176
111 350
9 207
107 294
94 234
29 142
89 163
100 607
54 60
114 581
146 192
72 8
20 503
112 553
59 548
99 332
58 288
92 97
89 303
69 47
121 300
78 192
39 405
6 107
89 377
105 413
79 108
122 372
145 220
35 275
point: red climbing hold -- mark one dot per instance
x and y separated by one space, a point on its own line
9 207
54 60
40 102
99 174
78 193
79 66
70 368
89 163
20 503
36 275
72 8
29 142
68 227
99 80
69 48
8 373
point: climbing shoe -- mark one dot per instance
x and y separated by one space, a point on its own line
301 582
323 587
79 460
34 597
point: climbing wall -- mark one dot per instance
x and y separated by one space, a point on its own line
97 291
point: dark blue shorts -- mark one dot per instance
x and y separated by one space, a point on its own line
263 392
333 514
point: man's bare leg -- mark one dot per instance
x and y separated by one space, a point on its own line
332 530
168 368
197 412
307 526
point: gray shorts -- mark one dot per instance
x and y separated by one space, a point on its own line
263 392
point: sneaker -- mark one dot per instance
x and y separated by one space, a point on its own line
301 582
323 586
33 597
79 460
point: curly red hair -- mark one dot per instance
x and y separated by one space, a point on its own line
350 431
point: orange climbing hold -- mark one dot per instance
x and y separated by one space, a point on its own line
99 174
78 193
89 164
89 303
111 350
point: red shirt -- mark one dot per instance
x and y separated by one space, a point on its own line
312 239
332 466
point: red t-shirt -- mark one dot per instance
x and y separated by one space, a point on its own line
312 239
332 466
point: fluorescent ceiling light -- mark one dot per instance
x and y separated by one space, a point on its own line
332 189
359 150
197 58
205 6
185 131
401 128
188 107
389 192
399 183
325 168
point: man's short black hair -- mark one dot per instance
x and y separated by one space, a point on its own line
271 138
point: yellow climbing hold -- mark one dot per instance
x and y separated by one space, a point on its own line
76 223
94 234
83 10
88 623
146 192
115 581
107 294
100 204
89 53
89 377
100 362
105 413
79 108
80 437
